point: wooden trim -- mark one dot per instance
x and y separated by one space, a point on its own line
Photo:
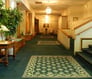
26 21
82 24
18 31
65 33
19 4
83 31
84 39
7 3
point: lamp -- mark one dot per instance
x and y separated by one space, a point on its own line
2 30
12 4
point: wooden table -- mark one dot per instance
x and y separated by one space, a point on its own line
6 45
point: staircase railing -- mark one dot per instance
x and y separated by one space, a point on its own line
84 30
66 32
84 22
64 37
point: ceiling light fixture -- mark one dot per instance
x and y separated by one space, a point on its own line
48 9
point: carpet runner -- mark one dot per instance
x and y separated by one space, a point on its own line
48 43
54 67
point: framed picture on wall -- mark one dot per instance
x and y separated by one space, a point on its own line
75 18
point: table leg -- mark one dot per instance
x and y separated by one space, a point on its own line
14 53
6 57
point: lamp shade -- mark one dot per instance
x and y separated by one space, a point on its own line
3 28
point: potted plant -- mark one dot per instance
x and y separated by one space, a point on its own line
10 18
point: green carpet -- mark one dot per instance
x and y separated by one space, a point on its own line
17 67
54 67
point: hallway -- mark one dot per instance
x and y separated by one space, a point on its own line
17 67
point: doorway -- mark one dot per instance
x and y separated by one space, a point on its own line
36 26
64 22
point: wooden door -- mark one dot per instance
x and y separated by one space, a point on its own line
36 26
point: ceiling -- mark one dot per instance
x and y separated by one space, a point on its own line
57 6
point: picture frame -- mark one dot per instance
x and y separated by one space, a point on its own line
75 18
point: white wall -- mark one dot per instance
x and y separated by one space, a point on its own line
86 34
75 13
88 9
23 23
60 22
63 39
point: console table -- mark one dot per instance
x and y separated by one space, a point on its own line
6 45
